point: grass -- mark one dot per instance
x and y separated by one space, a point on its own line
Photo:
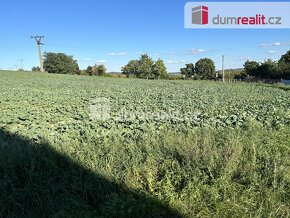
214 170
242 172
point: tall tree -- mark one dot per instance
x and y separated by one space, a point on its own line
78 71
286 57
95 70
284 65
159 69
89 70
188 70
101 70
145 67
205 68
131 68
268 70
251 68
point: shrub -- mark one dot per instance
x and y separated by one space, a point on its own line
35 68
60 63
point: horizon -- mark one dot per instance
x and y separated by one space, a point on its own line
112 33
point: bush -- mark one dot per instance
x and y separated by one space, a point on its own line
114 75
60 63
35 68
175 77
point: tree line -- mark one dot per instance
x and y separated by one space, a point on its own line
270 69
60 63
203 69
96 70
146 67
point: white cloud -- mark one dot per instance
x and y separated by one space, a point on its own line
155 54
85 59
200 51
101 61
188 52
159 54
88 59
176 62
118 54
275 44
170 53
139 52
272 52
244 58
194 51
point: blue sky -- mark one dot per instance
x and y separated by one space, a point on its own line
113 32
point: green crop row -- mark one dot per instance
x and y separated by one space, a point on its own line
76 146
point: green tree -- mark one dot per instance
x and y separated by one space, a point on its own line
268 70
159 69
95 70
59 63
240 74
286 57
101 70
205 68
89 70
145 67
252 68
284 65
284 70
131 68
188 70
78 70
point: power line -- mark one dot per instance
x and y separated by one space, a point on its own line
72 46
38 39
21 60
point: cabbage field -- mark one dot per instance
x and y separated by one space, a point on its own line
80 146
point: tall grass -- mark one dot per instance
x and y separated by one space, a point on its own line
212 172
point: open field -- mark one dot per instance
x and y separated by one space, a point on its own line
80 146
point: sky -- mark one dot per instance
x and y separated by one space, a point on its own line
112 32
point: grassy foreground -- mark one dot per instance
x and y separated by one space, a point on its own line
55 163
210 173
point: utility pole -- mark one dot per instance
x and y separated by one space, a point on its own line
223 67
21 60
38 39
